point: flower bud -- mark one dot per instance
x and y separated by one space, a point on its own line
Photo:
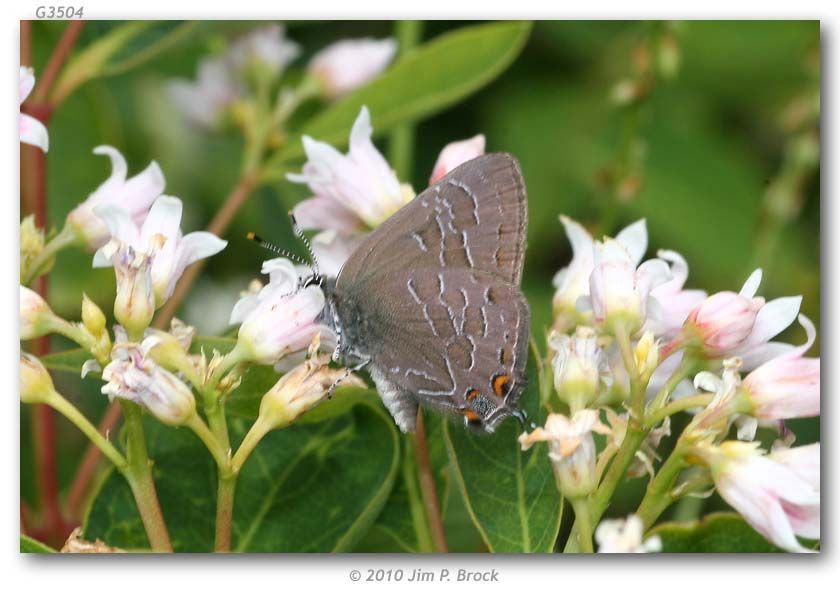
624 536
36 318
134 305
348 64
577 365
723 321
169 349
646 355
93 317
301 389
455 154
35 382
571 450
31 243
135 377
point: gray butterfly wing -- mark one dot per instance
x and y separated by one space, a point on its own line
475 218
454 339
432 296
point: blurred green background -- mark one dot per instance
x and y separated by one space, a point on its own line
715 152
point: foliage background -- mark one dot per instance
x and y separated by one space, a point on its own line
714 141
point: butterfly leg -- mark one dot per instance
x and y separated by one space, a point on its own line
347 372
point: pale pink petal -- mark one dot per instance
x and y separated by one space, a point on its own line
634 238
326 213
164 219
773 318
455 154
198 245
33 132
750 286
26 83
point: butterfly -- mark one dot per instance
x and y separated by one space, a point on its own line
430 301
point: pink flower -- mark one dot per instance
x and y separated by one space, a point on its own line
455 154
160 239
572 282
624 536
134 376
134 196
675 302
730 324
31 130
204 101
778 494
36 317
348 64
281 318
354 193
619 292
787 386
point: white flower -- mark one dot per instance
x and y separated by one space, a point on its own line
361 182
572 282
675 302
134 376
133 195
36 317
571 449
778 494
281 318
578 365
159 238
787 386
455 154
346 65
265 47
332 249
624 536
31 130
729 324
619 293
204 101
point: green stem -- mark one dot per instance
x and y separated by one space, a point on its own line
658 496
637 390
417 508
138 472
257 432
66 237
401 142
60 404
224 511
583 523
213 444
76 334
676 406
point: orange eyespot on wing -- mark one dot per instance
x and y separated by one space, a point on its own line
472 394
501 384
471 416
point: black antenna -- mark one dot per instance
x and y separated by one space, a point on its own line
299 233
274 248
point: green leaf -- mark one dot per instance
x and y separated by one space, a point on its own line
511 495
68 361
32 546
120 49
308 488
715 533
429 79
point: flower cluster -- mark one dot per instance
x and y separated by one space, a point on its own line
257 60
631 346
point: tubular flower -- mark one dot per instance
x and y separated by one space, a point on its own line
675 303
133 195
455 154
36 317
578 364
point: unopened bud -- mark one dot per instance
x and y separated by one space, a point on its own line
35 382
93 317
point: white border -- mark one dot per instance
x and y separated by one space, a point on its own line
297 577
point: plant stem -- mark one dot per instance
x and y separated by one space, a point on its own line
212 442
60 404
257 432
224 511
138 472
676 406
427 485
59 56
418 510
583 523
401 142
658 496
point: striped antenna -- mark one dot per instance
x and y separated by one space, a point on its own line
274 248
299 233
